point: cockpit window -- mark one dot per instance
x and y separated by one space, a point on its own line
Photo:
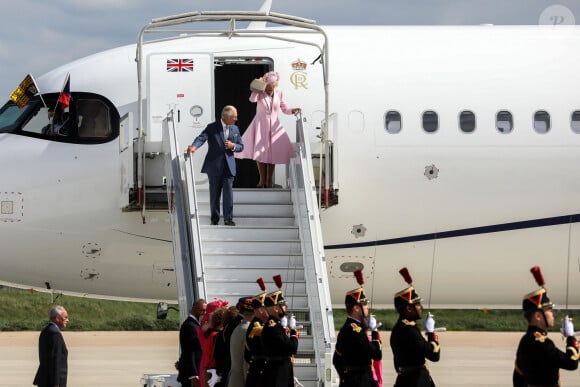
93 119
90 118
11 117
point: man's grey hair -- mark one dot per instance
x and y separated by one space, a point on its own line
55 311
228 111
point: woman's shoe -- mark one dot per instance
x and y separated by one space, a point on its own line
260 186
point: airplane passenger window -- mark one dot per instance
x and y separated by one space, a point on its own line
393 121
504 121
575 121
541 121
430 121
467 121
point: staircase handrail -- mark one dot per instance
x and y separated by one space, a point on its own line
304 196
181 199
193 207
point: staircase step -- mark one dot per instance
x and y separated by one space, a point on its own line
291 276
295 302
272 210
266 261
251 221
294 290
289 247
305 372
228 233
251 195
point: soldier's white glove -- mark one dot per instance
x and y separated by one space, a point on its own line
292 322
284 322
430 323
215 378
372 322
567 327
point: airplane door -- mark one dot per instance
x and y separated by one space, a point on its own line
181 82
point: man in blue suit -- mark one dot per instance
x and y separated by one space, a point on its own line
220 165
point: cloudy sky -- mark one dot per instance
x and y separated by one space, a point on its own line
38 35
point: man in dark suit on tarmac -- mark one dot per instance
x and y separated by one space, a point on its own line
52 351
188 364
223 139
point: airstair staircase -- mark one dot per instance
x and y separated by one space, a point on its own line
277 232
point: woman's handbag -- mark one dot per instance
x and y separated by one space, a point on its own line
258 85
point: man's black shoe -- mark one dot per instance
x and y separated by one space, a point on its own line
214 222
229 223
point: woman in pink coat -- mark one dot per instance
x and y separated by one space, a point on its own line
265 139
210 326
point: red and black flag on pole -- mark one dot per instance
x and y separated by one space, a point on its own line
64 98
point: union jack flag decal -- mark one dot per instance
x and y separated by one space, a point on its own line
179 65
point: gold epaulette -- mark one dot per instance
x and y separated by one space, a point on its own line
271 323
355 327
436 347
539 336
411 323
256 330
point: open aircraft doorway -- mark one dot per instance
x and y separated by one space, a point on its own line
232 87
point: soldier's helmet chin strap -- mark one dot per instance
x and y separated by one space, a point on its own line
416 310
363 312
545 320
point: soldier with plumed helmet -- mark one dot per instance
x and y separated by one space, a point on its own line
538 360
354 353
409 347
254 353
280 340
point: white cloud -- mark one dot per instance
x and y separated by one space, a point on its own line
101 4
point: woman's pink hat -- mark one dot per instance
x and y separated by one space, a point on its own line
212 307
271 77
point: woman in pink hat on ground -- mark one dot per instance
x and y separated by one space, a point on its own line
211 324
265 140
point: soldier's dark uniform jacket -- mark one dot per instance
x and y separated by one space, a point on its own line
254 354
280 346
410 349
221 350
354 353
538 360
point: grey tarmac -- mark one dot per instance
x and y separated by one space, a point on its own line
120 358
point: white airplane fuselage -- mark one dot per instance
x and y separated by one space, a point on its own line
468 211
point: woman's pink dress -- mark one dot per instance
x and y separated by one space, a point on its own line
377 369
265 140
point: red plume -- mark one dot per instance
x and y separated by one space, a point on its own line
406 275
537 273
278 280
359 277
260 282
